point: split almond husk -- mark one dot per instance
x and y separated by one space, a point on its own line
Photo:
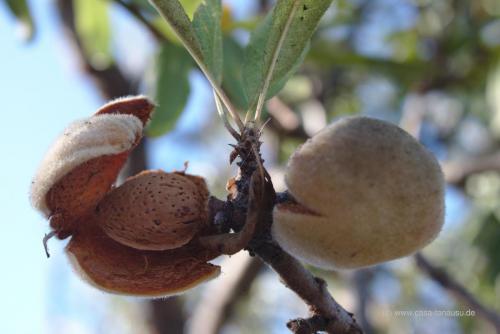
84 162
154 210
115 268
139 106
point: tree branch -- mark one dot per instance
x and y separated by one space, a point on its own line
456 172
312 290
111 82
284 121
440 276
313 324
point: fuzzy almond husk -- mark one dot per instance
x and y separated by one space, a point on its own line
85 160
115 268
154 210
139 106
375 192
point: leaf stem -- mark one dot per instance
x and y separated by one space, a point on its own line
223 115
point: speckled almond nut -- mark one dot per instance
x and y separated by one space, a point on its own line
154 210
377 194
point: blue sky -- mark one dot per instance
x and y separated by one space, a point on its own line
39 98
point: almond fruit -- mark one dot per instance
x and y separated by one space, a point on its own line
366 192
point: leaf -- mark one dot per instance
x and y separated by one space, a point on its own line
21 10
190 6
487 241
232 80
175 15
93 28
207 26
172 88
304 16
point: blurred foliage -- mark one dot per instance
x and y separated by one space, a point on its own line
172 88
93 28
21 10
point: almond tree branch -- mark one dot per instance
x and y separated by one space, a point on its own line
111 81
313 324
441 277
312 290
284 121
457 171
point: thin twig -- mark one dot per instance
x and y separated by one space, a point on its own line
230 244
310 325
111 81
136 12
440 276
223 114
46 239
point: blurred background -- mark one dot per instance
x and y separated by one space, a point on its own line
431 66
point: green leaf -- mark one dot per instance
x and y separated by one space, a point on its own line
21 10
190 6
172 88
303 17
174 14
207 26
232 81
161 24
93 28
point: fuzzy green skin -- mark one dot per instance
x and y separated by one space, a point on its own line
378 193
